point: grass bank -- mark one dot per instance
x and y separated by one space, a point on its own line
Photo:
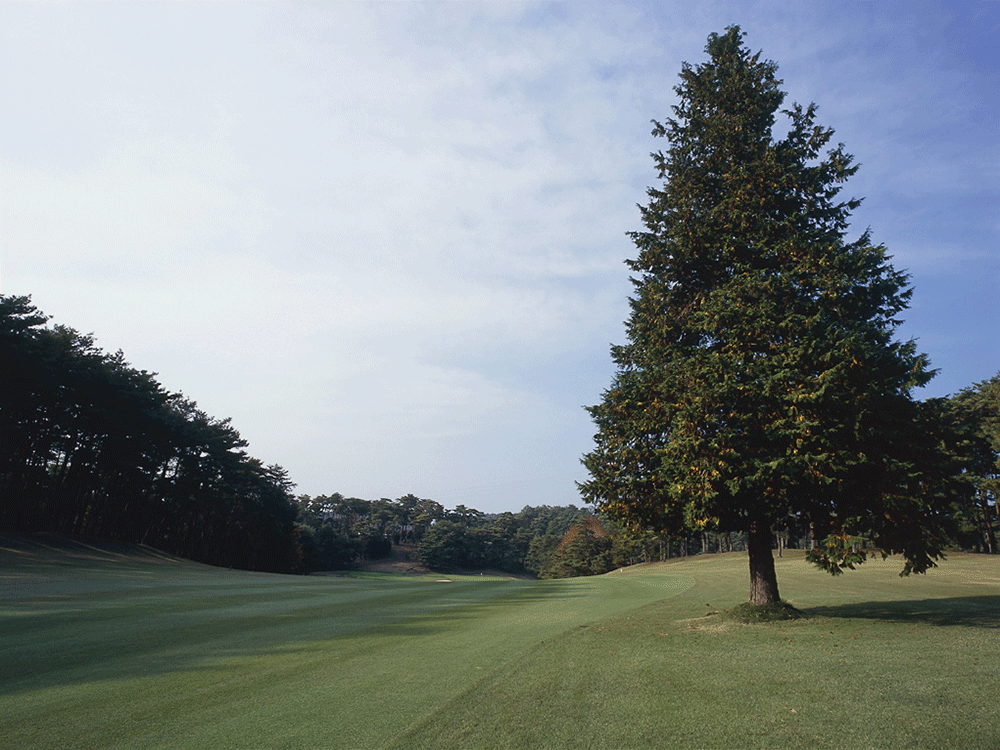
126 648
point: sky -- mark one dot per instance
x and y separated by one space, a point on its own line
388 239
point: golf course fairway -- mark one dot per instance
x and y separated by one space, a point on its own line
121 647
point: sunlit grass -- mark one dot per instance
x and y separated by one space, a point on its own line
918 672
158 653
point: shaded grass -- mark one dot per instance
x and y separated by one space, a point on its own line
133 652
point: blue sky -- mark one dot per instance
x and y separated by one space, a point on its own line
387 239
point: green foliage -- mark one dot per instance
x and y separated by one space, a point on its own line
837 552
377 548
975 414
761 380
518 543
586 549
92 446
445 547
337 531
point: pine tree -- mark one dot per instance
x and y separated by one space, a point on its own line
761 378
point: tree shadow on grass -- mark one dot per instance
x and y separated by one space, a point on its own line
969 611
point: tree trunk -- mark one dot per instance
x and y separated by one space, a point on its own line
991 539
763 580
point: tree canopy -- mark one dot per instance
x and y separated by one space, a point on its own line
92 446
761 380
975 414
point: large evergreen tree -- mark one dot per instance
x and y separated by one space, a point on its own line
761 379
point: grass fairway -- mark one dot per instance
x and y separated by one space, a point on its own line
124 648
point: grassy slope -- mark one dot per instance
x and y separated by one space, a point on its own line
125 648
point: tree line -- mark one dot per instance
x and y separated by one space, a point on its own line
92 446
339 532
973 415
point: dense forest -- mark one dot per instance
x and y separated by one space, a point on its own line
91 446
337 532
95 447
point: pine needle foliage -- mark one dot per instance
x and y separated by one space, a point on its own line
761 379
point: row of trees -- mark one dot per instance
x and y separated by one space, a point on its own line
519 543
974 415
93 446
566 542
337 532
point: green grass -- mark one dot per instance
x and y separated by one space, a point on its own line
113 647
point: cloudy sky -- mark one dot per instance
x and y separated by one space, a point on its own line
387 239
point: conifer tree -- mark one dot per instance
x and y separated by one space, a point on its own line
761 379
